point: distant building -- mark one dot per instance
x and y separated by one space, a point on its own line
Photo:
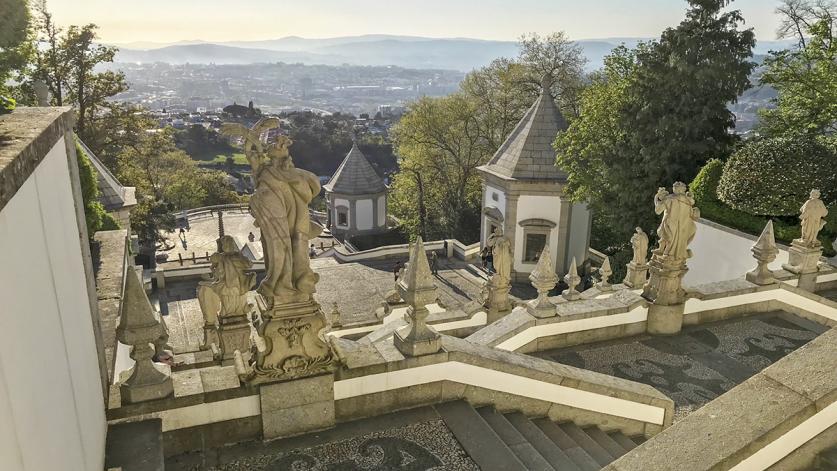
356 197
523 194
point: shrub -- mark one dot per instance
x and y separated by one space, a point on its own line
705 185
95 216
774 176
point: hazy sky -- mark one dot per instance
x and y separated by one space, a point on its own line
217 20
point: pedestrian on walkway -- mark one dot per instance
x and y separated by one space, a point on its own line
434 263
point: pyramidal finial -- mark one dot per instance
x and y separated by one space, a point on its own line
764 251
572 279
136 308
544 271
543 278
604 272
766 241
417 275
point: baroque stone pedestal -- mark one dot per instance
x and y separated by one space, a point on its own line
300 406
803 260
497 298
210 336
294 347
637 275
233 334
664 290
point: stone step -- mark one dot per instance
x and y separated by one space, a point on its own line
616 450
524 450
580 457
623 440
546 447
588 444
477 437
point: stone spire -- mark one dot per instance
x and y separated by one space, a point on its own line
543 278
605 271
140 326
418 290
572 279
764 251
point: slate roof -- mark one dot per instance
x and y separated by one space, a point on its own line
527 153
112 194
355 176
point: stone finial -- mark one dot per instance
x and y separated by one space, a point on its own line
334 316
140 327
764 251
572 279
605 272
543 278
418 289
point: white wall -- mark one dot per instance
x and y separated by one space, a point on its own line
364 214
382 211
51 404
720 255
579 234
536 207
488 200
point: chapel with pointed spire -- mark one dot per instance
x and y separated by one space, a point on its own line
523 194
356 197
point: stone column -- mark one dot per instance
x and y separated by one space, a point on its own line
140 327
764 251
544 279
417 289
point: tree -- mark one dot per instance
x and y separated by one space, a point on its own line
15 47
51 65
805 77
669 118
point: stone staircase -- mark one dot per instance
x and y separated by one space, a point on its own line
514 442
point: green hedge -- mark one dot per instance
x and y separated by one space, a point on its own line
774 176
713 209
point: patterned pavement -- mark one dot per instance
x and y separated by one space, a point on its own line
700 363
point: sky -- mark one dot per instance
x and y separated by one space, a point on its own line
123 21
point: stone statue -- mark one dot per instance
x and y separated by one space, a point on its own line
226 293
678 226
280 208
812 215
501 251
639 242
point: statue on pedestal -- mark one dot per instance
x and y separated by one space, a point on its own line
223 299
291 319
637 272
668 262
805 252
499 284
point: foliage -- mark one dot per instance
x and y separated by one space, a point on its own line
704 187
773 176
441 141
15 47
95 216
786 229
658 114
805 77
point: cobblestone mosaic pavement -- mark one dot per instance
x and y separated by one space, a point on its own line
700 363
423 446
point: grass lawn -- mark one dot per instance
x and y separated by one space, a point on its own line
238 157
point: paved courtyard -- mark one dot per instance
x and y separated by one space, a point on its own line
701 362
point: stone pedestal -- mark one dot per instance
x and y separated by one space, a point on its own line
296 407
665 320
664 290
497 298
294 347
210 336
637 275
803 259
234 334
412 343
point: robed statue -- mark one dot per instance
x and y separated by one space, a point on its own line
812 217
678 226
225 294
280 208
639 242
500 247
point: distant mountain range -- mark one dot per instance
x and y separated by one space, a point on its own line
463 54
